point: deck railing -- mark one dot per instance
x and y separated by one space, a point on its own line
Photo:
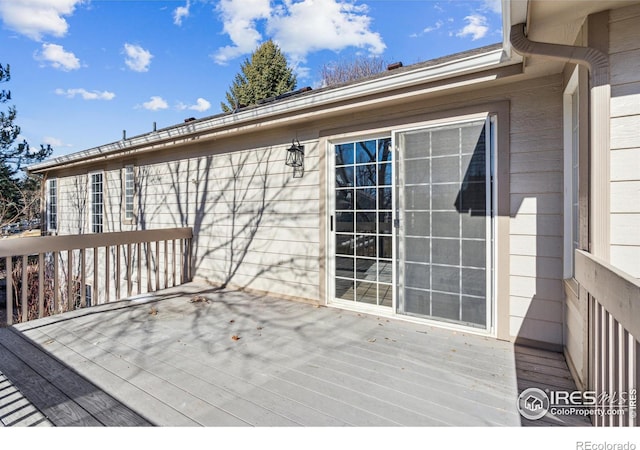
53 274
614 329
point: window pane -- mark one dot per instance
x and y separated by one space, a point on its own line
344 154
344 199
344 177
384 150
366 222
366 175
365 152
344 222
366 199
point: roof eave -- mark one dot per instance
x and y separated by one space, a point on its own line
463 66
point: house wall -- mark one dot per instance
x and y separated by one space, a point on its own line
257 227
624 49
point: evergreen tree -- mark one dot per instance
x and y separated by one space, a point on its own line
265 75
13 184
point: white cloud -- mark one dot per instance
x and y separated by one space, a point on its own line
239 22
476 27
180 13
54 142
325 25
138 59
35 18
434 27
201 105
155 104
298 27
85 94
494 6
58 57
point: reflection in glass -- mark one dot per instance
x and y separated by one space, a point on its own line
366 175
366 222
344 177
366 198
386 197
366 292
384 150
385 222
365 152
344 267
344 244
344 154
366 269
344 289
344 199
365 245
344 222
384 174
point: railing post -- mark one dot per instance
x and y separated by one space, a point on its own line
25 288
56 283
147 248
157 266
107 274
94 296
40 285
139 261
70 299
9 269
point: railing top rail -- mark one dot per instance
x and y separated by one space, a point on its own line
616 291
44 244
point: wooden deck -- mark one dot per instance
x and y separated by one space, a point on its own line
171 361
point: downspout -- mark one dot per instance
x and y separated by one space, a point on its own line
600 97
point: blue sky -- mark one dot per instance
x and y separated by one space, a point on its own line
84 70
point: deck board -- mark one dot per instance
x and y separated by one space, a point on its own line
174 362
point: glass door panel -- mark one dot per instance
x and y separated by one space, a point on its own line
363 228
444 197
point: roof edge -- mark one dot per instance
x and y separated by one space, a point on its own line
429 71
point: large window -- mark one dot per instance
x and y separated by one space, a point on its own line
52 205
97 202
128 190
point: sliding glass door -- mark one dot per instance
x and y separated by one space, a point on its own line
411 223
445 227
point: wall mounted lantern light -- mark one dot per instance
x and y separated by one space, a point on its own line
295 158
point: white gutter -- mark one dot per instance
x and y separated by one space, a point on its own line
324 98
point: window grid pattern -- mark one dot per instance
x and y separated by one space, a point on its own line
52 210
444 268
128 193
97 202
363 222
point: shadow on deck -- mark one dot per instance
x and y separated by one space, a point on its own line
194 356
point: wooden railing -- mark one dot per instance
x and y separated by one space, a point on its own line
54 274
614 329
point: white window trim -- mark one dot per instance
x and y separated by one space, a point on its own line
128 220
48 206
90 194
568 238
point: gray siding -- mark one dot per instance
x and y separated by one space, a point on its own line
625 139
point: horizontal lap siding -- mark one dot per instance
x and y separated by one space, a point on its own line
625 138
255 226
536 226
